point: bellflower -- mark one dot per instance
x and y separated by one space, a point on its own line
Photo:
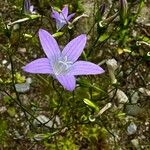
61 18
28 8
62 65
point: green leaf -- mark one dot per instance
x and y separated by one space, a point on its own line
34 16
7 99
28 35
103 37
57 9
91 104
3 128
58 34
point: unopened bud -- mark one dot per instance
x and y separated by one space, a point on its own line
102 9
123 9
108 20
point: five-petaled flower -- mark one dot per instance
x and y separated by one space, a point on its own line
61 18
62 65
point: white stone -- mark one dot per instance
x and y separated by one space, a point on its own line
135 97
43 120
132 128
57 119
4 62
3 109
144 91
121 96
135 143
22 87
9 67
29 80
112 64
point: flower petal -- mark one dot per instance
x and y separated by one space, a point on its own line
70 16
67 81
74 48
31 8
41 66
55 14
49 45
85 68
59 25
65 11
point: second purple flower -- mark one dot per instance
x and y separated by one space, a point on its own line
61 18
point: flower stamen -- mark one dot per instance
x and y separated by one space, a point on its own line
62 66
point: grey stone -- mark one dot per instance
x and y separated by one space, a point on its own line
135 97
132 128
43 120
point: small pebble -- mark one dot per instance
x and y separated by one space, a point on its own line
29 80
9 67
135 97
4 62
22 87
135 143
132 128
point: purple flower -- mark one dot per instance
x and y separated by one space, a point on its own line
28 8
62 65
61 18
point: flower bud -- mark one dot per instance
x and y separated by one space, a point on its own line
108 20
123 9
102 9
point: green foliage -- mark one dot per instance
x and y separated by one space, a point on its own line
7 100
3 128
11 111
91 104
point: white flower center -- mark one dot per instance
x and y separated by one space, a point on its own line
62 66
63 19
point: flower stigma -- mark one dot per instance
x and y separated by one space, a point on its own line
62 66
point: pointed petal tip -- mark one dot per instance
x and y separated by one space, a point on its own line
38 66
68 82
70 89
101 70
83 36
66 6
65 11
70 16
24 68
41 30
49 44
